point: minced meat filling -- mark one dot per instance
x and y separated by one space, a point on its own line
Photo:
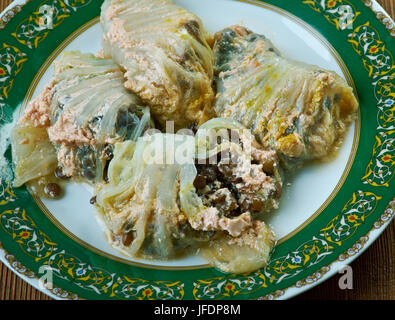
218 187
236 184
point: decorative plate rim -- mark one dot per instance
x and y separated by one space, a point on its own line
300 286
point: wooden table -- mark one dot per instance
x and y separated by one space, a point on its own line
373 271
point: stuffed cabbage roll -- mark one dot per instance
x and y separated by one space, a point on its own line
140 203
84 110
167 59
168 194
33 155
299 110
246 253
235 181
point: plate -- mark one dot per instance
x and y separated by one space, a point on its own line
329 214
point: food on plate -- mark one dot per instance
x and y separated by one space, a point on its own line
71 126
164 50
207 188
156 206
302 111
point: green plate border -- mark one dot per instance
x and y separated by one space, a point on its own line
30 239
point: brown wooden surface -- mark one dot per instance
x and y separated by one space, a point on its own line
373 271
